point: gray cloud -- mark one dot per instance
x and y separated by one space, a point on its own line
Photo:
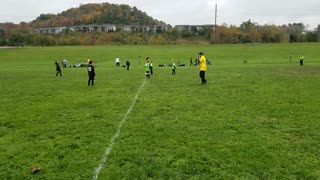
182 11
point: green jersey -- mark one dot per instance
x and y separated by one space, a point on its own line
147 67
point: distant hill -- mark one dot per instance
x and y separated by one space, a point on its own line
104 13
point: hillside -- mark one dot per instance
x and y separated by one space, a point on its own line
104 13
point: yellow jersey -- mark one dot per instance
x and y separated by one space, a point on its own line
203 63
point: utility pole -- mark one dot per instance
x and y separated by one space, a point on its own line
215 24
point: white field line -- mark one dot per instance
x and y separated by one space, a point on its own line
109 148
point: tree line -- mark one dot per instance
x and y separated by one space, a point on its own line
247 32
106 13
251 32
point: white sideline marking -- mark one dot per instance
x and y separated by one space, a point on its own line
109 148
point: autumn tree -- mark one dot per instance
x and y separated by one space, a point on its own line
160 40
254 36
250 32
152 40
225 34
104 13
274 34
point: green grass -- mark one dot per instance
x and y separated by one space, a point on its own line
258 120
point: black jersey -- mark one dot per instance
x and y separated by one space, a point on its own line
91 72
58 66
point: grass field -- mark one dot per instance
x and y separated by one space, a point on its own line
258 120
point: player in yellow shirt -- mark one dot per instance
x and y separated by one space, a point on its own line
203 68
147 68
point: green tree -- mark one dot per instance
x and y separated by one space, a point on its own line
318 29
2 37
296 28
173 34
312 37
16 39
44 17
293 38
296 31
2 33
206 32
247 26
302 37
186 34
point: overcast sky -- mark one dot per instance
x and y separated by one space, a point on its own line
177 12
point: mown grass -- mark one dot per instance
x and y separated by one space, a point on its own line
257 120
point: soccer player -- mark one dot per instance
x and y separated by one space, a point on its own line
301 61
147 68
174 68
91 73
203 68
128 64
151 67
58 68
118 62
64 63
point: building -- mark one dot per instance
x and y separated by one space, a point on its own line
54 30
80 28
103 28
190 28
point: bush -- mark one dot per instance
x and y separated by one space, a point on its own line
3 42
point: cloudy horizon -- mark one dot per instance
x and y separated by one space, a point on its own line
179 12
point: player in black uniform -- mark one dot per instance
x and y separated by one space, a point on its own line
128 64
91 73
58 68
